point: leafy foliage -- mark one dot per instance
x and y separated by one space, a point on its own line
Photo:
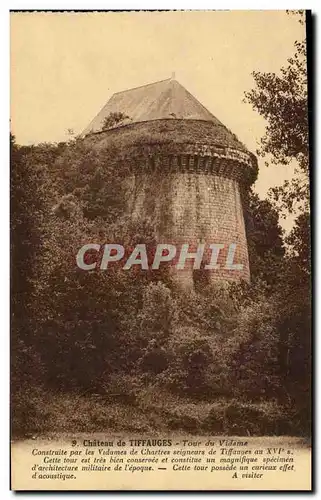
265 239
282 100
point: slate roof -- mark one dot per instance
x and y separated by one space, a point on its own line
161 100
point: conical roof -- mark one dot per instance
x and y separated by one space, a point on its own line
161 100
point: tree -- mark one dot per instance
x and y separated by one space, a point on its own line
27 200
265 241
283 101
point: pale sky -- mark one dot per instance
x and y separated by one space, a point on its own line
65 66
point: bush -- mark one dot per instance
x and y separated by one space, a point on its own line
254 369
189 356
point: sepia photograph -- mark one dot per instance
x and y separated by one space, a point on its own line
160 250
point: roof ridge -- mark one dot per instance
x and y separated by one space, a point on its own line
142 86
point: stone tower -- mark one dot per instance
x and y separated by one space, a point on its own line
189 172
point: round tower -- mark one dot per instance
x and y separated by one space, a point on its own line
187 175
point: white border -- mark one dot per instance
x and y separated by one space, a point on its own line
161 5
5 6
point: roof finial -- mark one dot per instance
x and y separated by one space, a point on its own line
173 75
